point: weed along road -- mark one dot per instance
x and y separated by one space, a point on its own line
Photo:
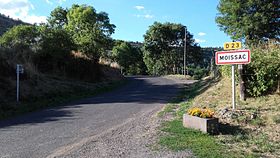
56 131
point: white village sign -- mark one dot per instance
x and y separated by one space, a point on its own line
233 57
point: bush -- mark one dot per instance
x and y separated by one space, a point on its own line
263 73
225 70
20 37
83 69
198 72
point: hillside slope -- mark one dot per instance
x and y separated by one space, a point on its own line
6 23
42 89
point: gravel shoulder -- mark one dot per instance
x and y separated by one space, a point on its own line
137 138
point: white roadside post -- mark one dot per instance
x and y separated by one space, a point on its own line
233 58
19 69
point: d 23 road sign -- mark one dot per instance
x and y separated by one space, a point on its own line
233 57
232 45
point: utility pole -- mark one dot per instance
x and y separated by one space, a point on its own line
185 49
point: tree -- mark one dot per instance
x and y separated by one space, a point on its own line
129 58
90 30
58 18
55 40
163 48
249 19
21 37
54 51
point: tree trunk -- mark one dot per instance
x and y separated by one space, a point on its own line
241 82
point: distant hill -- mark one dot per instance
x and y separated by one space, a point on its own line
6 23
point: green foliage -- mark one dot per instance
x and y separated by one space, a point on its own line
54 51
263 73
58 18
197 72
55 40
249 19
90 30
261 76
202 145
163 48
20 37
50 45
225 70
129 58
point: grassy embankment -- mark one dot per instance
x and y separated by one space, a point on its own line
240 135
47 91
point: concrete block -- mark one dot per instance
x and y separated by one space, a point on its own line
206 125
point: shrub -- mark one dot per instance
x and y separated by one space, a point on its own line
20 37
263 74
197 72
225 70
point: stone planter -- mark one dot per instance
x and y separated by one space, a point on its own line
206 125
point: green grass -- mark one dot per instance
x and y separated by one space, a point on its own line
54 99
169 108
202 145
176 137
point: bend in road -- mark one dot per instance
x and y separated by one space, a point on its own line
39 134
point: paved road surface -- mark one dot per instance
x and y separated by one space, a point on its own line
42 133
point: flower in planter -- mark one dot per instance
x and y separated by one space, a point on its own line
203 113
202 119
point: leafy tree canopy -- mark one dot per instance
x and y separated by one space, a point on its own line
163 47
58 17
21 36
249 19
55 40
90 30
129 58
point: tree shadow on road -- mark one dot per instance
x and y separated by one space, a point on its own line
47 115
139 91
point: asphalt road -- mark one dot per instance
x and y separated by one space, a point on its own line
42 133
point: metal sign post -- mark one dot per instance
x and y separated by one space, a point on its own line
19 70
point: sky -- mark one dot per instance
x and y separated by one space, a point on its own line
133 17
